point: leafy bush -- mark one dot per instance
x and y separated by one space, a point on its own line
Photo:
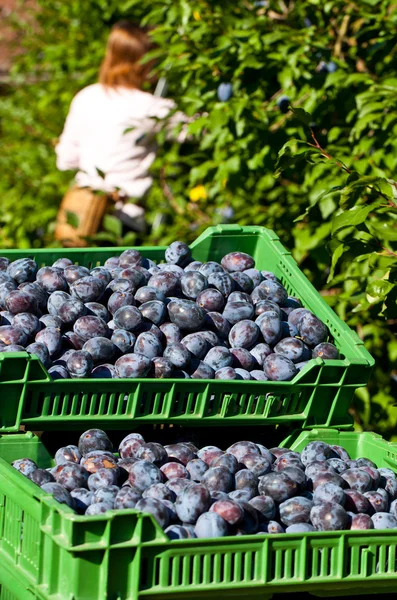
334 60
362 278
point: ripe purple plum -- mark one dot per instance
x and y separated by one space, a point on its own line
229 510
328 517
211 525
211 300
132 366
219 479
295 510
279 368
237 261
192 502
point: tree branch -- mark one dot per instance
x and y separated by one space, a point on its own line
324 153
341 35
318 146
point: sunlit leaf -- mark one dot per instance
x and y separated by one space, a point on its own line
72 219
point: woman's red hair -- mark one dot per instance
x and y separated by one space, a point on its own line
127 45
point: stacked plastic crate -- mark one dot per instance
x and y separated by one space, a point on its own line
48 551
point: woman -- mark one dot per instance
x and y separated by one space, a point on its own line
109 137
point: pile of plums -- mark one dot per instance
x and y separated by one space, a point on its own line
183 319
208 492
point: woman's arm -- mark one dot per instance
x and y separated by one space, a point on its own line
68 149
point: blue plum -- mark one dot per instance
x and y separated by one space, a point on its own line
192 502
238 311
244 334
278 486
211 525
186 314
148 345
178 253
178 355
295 510
22 269
154 311
101 349
123 340
224 92
127 317
60 494
328 517
192 284
311 329
196 344
171 332
279 368
162 368
382 520
326 351
293 348
132 366
270 325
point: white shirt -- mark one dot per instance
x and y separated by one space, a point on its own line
95 138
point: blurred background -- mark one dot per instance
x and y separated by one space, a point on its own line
247 158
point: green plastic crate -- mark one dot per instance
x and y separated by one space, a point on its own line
318 396
49 552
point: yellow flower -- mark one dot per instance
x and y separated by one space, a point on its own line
196 15
198 193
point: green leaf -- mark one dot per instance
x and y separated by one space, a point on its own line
129 239
200 172
197 125
101 174
302 116
113 225
186 12
392 350
371 107
233 164
335 258
327 207
384 231
72 219
391 304
352 217
288 156
379 288
102 236
334 133
318 200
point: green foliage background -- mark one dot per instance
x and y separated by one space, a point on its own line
340 184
